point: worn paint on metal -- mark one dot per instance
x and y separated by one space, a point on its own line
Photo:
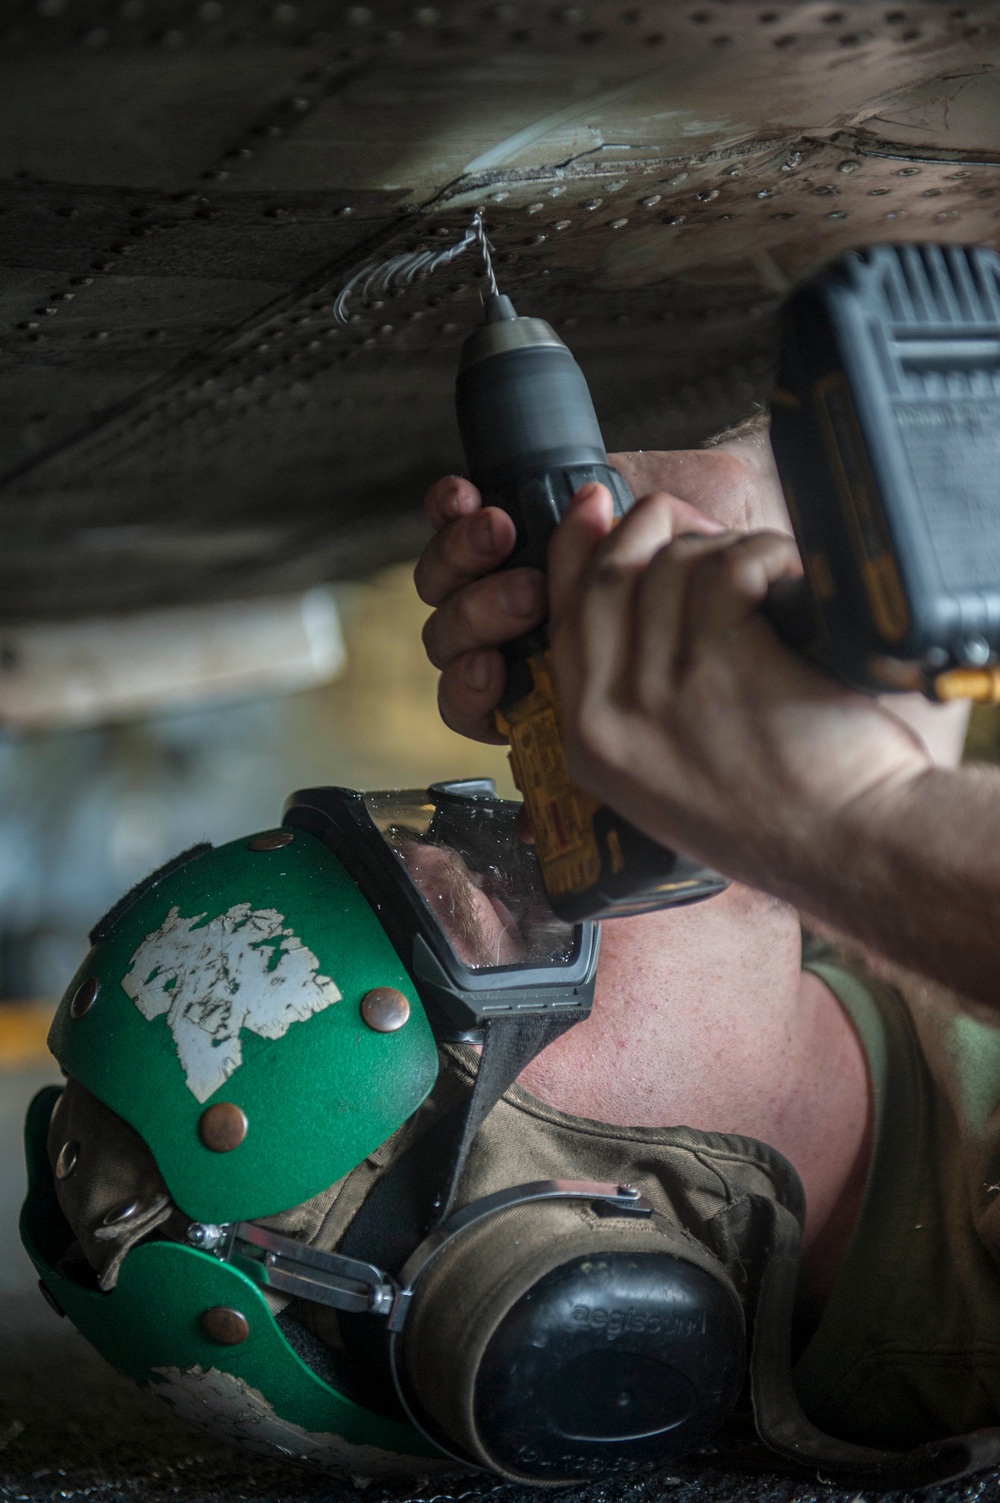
184 419
231 1409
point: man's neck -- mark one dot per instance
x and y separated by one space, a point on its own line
704 1018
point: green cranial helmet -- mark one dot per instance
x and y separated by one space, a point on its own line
246 1047
220 1067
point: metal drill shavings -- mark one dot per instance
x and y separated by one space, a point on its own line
379 277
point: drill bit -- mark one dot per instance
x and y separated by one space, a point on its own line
484 246
380 277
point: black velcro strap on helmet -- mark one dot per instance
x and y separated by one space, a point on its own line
104 925
420 1188
510 1044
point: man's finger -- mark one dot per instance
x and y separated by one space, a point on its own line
593 573
661 605
588 615
485 613
450 497
469 691
589 519
730 587
653 522
464 550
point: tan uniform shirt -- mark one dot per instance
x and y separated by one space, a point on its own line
909 1345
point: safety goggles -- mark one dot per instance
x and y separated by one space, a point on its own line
460 895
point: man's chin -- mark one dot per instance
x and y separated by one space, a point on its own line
734 482
737 902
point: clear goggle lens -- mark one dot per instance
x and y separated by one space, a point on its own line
478 881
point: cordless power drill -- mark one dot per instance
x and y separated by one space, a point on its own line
886 433
531 440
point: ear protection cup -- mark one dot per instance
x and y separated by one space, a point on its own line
549 1342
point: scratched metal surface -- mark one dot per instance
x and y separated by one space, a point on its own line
183 187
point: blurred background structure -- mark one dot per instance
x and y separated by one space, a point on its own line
85 813
209 489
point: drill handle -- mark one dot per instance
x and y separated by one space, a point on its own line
537 500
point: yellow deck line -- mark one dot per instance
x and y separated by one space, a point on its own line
24 1027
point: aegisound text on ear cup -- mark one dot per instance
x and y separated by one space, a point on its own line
625 1357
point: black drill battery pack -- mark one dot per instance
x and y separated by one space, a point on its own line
886 433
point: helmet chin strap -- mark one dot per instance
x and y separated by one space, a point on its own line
419 1191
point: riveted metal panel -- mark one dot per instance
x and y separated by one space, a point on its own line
184 189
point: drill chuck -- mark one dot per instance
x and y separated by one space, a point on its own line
522 401
528 426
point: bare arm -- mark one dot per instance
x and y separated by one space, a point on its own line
755 762
915 875
684 711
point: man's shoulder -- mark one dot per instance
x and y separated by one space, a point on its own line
910 1341
958 1038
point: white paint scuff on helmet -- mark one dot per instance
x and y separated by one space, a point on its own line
231 1410
244 969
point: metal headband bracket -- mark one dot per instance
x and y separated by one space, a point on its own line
276 1262
282 1263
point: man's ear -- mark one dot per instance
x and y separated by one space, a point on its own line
750 442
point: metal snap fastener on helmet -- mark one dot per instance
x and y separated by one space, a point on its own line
123 1211
223 1127
205 1235
272 840
225 1325
385 1009
66 1162
84 997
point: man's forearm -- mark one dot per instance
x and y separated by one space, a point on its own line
683 711
914 876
